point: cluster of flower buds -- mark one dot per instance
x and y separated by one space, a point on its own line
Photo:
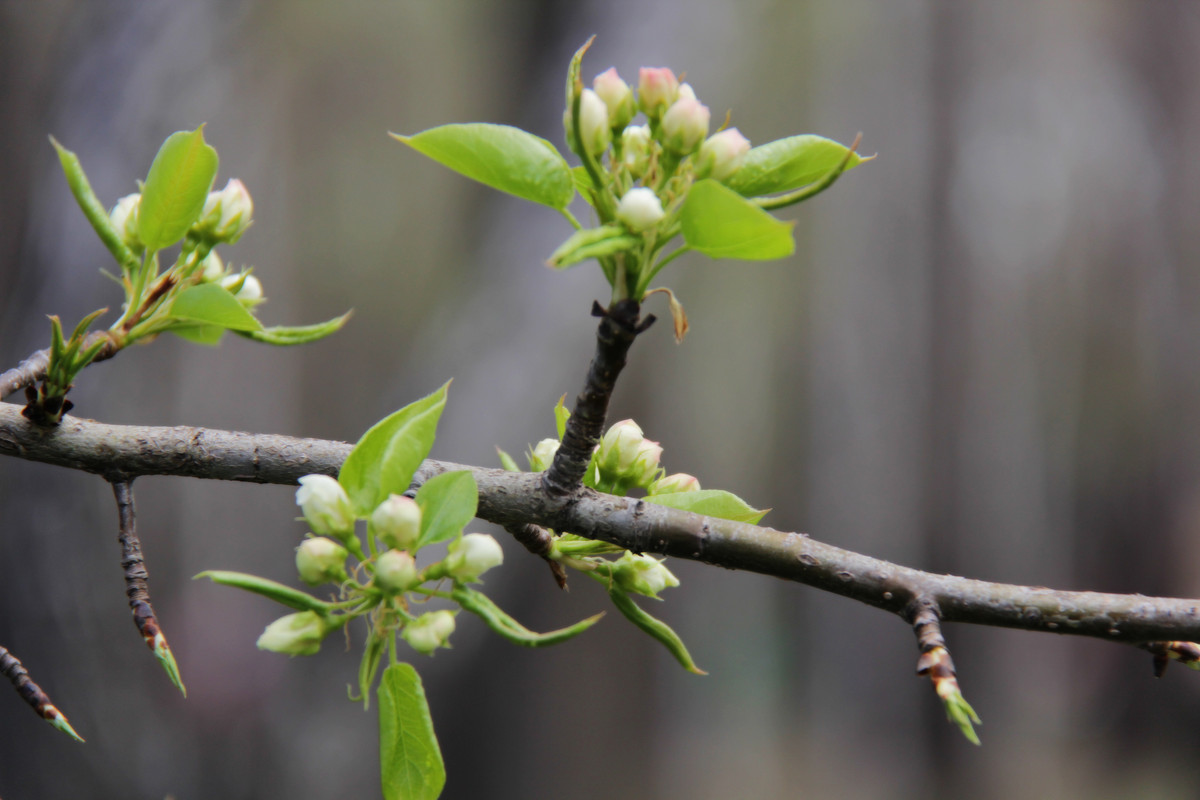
626 459
673 143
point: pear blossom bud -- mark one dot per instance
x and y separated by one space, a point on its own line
595 132
471 556
325 505
645 464
642 575
320 560
212 268
618 447
429 631
396 571
245 287
542 454
686 90
617 96
658 88
124 219
673 484
640 209
635 149
226 213
298 634
397 522
722 154
684 126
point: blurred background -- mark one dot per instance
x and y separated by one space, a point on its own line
983 359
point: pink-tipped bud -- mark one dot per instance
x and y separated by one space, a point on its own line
617 96
684 126
722 154
658 88
595 133
674 484
640 209
396 571
645 464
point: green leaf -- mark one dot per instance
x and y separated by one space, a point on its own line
448 504
482 606
500 156
96 214
210 304
583 183
561 415
292 598
787 164
386 457
410 761
655 627
720 223
507 461
284 335
607 240
712 503
176 187
199 334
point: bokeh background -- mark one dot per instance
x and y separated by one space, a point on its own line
983 359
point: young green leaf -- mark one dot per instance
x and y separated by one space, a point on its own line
410 761
199 334
386 457
507 461
448 503
720 223
583 183
787 164
292 598
712 503
607 240
283 335
176 187
561 415
655 627
500 156
210 304
92 209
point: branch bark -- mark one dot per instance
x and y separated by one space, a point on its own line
510 499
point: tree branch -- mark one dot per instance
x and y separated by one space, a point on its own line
509 498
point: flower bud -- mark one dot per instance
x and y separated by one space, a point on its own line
645 464
397 522
640 209
684 126
325 505
471 556
542 454
212 268
618 447
658 88
245 287
642 575
226 213
617 96
298 634
396 571
635 149
686 90
673 484
124 219
320 560
429 631
722 154
595 132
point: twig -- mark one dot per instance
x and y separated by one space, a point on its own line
619 326
32 694
539 541
935 663
33 368
508 498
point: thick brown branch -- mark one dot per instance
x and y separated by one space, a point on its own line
509 498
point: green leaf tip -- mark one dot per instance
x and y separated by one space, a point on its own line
286 336
162 651
59 721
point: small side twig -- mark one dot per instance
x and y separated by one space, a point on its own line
33 368
619 326
32 694
136 587
1186 653
936 664
539 541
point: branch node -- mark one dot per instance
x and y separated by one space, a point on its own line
540 542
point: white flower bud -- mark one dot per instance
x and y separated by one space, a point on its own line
619 446
325 505
542 454
429 631
673 484
471 556
642 575
645 464
635 149
640 209
396 571
298 634
686 90
245 287
211 268
722 154
684 126
124 219
658 88
595 133
397 522
320 560
226 213
617 96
